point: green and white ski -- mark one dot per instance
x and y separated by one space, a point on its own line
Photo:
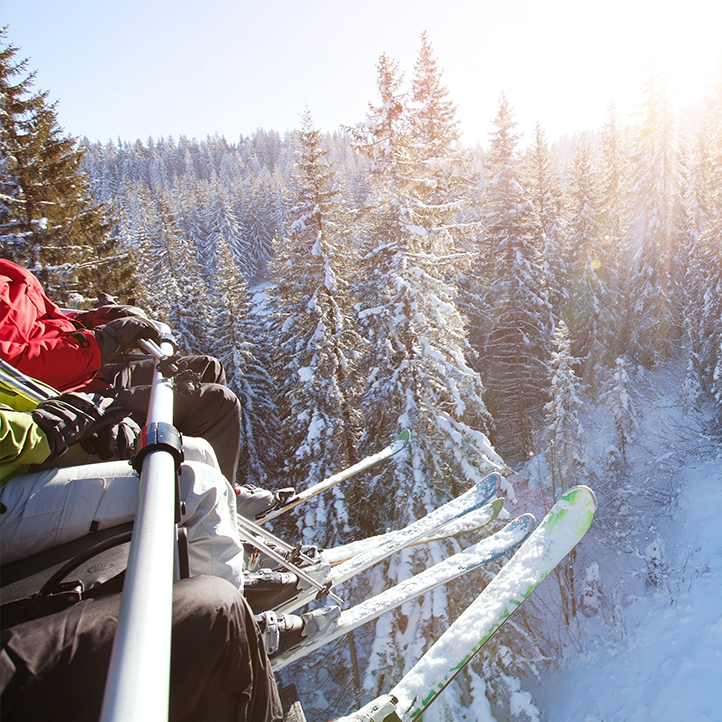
559 532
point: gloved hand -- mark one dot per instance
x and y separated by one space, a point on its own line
109 312
73 416
117 439
252 501
122 334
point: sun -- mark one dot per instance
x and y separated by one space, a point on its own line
681 45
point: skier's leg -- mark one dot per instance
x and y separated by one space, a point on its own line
214 413
49 508
210 518
140 372
54 668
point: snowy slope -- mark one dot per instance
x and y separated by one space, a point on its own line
653 653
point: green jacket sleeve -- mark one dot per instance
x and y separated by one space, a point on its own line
22 443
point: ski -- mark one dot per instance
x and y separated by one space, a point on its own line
472 499
559 532
393 448
483 552
473 521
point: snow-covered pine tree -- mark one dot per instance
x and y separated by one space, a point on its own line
317 345
417 375
170 284
563 428
49 221
618 400
140 233
259 223
587 311
613 189
222 226
564 451
544 189
417 372
704 274
656 229
246 374
517 340
315 338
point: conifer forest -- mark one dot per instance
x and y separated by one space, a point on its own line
503 302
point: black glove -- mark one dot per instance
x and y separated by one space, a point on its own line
71 417
122 334
115 439
109 312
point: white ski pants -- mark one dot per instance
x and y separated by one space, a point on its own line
50 507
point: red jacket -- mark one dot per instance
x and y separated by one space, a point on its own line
37 338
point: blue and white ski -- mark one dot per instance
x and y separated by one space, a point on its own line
472 499
483 552
473 521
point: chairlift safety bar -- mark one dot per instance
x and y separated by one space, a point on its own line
138 682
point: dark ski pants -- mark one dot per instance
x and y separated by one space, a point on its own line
54 668
214 413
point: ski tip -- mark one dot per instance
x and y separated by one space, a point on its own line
402 439
586 491
497 505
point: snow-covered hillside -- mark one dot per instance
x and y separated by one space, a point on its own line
653 650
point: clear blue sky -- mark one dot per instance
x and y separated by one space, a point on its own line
143 68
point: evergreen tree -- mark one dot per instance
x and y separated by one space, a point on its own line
49 221
140 231
619 401
613 191
259 226
235 346
656 229
704 272
588 263
516 344
544 189
417 375
315 336
565 446
564 431
170 284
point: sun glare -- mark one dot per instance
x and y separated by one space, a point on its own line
683 47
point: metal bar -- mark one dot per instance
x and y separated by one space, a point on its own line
23 384
138 682
248 536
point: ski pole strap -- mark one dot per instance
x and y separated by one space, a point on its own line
158 436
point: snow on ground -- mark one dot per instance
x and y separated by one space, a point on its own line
655 655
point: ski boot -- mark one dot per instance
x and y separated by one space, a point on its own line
299 555
281 632
267 588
